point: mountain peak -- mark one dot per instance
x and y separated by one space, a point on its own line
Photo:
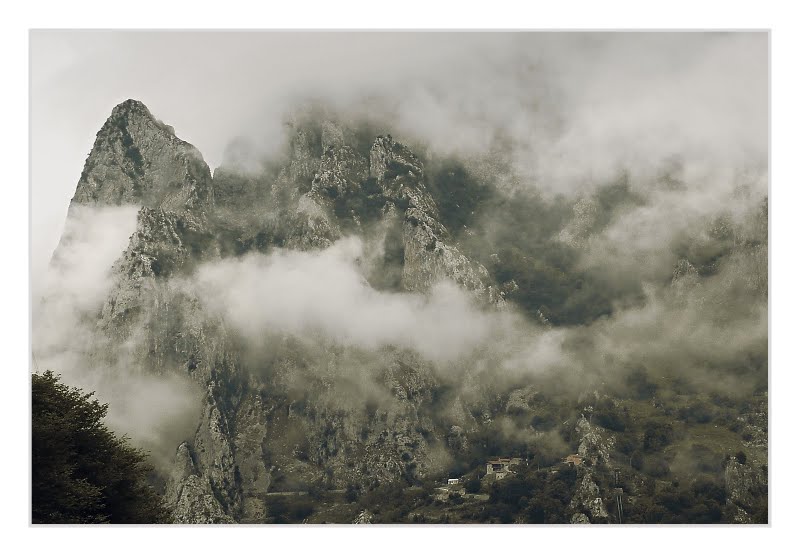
137 159
132 110
130 105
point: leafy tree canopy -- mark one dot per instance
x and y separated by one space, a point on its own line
82 472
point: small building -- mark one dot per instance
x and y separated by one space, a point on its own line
452 481
500 468
574 459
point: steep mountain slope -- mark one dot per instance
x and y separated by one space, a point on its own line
295 413
137 159
296 419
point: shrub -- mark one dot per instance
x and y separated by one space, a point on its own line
656 435
472 485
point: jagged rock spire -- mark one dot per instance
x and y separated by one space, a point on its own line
136 159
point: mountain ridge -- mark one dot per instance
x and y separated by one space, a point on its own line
307 413
138 160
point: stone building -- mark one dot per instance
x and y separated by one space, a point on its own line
500 468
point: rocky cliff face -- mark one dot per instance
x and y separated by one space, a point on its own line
285 423
136 159
744 486
428 254
594 447
298 414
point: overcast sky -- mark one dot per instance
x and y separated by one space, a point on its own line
207 85
575 105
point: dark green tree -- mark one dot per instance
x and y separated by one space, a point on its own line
81 471
656 435
472 485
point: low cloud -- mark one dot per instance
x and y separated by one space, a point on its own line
702 329
78 279
325 294
157 411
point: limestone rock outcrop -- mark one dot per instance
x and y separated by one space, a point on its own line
265 426
137 159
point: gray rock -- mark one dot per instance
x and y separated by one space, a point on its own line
260 427
136 159
579 519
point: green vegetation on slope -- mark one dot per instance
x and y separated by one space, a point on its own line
82 472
